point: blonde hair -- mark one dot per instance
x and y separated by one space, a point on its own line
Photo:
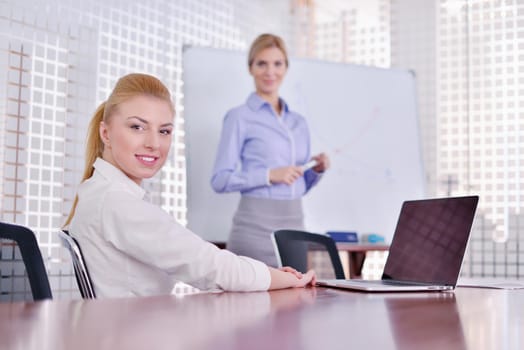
127 87
265 41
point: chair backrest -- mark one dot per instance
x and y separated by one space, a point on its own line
292 248
31 257
87 291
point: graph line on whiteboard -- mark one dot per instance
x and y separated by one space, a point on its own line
351 143
360 133
301 103
361 166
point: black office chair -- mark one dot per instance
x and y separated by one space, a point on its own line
14 238
292 248
83 280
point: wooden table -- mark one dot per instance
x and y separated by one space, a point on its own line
356 254
311 318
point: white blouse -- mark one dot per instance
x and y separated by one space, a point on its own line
134 248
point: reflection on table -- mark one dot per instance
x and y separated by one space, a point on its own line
311 318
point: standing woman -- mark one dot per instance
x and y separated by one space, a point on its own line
263 148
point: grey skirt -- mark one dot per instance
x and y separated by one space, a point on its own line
255 220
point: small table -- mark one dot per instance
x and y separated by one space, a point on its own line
356 253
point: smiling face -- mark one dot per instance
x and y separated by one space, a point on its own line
268 70
137 136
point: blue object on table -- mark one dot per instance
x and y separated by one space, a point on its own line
343 236
373 238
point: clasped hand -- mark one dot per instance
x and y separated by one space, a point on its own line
323 162
289 174
286 175
304 279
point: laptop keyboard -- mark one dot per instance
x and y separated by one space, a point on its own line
389 282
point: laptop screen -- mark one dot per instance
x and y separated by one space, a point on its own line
430 240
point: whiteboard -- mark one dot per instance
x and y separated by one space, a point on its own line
364 118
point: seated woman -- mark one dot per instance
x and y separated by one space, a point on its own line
132 247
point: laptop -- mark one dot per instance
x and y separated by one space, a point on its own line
427 248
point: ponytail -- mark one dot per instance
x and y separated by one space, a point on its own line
127 87
94 149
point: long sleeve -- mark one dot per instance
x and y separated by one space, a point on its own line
148 234
311 177
228 174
